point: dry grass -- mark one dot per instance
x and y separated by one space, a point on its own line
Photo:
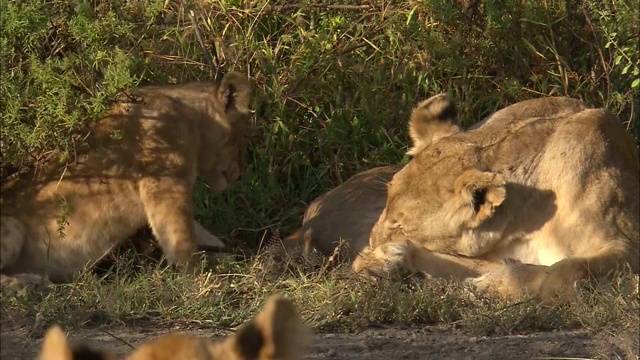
329 298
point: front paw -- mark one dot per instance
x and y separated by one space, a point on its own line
10 285
510 279
561 282
386 260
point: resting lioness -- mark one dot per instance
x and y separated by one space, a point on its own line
345 215
544 193
276 333
143 159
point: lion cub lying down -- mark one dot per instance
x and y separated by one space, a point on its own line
141 166
345 215
276 333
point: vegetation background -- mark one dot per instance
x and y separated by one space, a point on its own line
334 83
334 87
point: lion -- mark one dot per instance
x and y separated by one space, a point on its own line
542 194
342 219
140 167
276 333
345 215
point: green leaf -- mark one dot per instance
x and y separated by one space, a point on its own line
618 60
626 69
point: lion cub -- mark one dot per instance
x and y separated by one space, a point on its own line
345 214
140 167
276 333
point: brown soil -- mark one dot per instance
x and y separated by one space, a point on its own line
389 343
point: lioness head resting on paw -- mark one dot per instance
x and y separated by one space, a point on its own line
442 211
276 333
348 212
541 195
446 197
431 120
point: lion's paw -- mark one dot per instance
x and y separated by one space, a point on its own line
561 282
504 280
10 285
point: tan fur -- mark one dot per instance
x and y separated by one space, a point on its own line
140 167
276 333
346 213
431 120
543 193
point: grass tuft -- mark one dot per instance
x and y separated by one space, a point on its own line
233 291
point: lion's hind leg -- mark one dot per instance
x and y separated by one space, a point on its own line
12 241
17 282
510 279
206 239
561 279
555 283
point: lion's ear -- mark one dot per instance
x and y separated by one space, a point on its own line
55 345
432 120
276 333
235 92
477 194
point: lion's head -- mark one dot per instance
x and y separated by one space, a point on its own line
220 161
442 193
455 194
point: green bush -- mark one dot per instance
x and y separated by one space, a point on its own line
335 84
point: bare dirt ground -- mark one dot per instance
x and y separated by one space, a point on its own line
388 343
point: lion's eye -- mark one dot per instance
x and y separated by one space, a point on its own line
395 224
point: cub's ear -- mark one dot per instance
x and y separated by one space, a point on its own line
477 194
276 333
235 92
55 345
432 120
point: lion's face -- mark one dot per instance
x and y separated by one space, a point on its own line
222 162
230 166
442 198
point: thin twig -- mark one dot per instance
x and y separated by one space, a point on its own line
278 8
212 61
605 70
117 338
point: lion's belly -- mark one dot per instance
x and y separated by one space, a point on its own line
76 232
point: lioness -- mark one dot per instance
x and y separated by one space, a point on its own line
276 333
544 193
140 167
346 214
